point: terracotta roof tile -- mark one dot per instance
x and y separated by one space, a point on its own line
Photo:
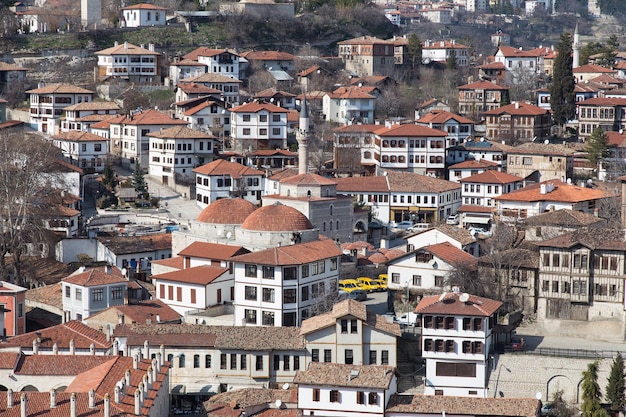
482 85
531 148
283 173
608 239
409 130
137 244
292 255
472 163
363 184
365 40
204 51
227 211
212 250
249 397
143 311
451 305
277 217
210 77
517 108
195 88
92 106
433 404
146 117
308 179
604 101
58 364
591 68
468 208
345 308
352 92
255 107
341 375
564 217
60 89
61 334
143 6
411 182
268 56
77 136
177 262
562 192
8 360
450 254
442 116
95 277
38 404
492 177
224 167
357 128
200 275
180 132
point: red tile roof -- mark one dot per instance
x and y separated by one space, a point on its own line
204 51
137 244
96 277
604 101
224 167
210 77
301 253
308 179
180 132
357 128
60 89
432 405
377 183
442 116
50 365
450 254
492 177
509 51
365 40
466 208
8 360
409 130
562 192
352 92
144 311
143 6
61 334
591 68
194 88
277 217
127 49
411 182
268 56
227 211
340 375
450 304
472 163
518 109
255 107
198 275
208 250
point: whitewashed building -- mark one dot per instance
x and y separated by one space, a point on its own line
47 103
83 149
224 179
143 14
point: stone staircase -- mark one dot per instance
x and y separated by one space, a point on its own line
409 375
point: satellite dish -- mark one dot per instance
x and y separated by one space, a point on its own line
538 395
124 271
442 296
229 235
547 142
286 385
278 403
464 298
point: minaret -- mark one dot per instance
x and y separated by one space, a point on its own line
302 137
576 49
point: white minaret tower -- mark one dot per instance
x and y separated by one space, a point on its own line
576 49
302 136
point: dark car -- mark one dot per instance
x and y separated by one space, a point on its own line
358 295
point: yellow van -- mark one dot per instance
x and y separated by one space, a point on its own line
368 284
349 285
382 284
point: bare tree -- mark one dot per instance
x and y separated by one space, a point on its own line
29 186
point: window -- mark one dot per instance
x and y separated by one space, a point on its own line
316 394
372 398
315 355
286 362
233 361
223 361
417 280
79 294
289 296
67 291
250 270
395 278
250 316
290 273
246 117
305 271
334 396
328 355
438 281
268 272
344 326
181 360
250 293
268 295
296 363
207 361
196 361
349 357
360 397
456 369
258 363
333 261
117 293
97 294
263 118
372 357
384 357
305 293
268 318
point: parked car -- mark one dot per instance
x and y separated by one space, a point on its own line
349 285
548 409
419 227
453 219
382 284
408 319
517 344
404 225
368 284
358 295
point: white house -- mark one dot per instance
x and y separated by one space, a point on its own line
217 61
337 390
481 189
223 179
280 286
349 335
470 167
130 62
458 237
427 268
185 68
457 342
349 105
134 252
82 115
83 149
86 292
143 14
441 51
227 85
176 151
520 64
258 126
209 115
48 101
458 128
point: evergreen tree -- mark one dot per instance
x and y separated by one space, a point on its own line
562 97
451 60
414 50
109 181
591 393
590 48
615 387
139 181
596 146
609 52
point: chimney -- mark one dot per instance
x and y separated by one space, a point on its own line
137 405
141 388
151 47
162 349
53 398
23 402
150 377
517 104
146 386
92 398
92 349
146 350
116 347
55 349
116 43
73 405
136 361
155 367
158 318
117 394
72 347
9 398
125 45
107 405
127 377
108 269
35 347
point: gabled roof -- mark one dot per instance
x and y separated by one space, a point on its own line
254 107
185 62
204 51
604 101
95 277
365 40
93 105
272 92
195 88
460 234
450 254
268 56
352 92
482 85
562 192
473 163
143 312
61 334
510 52
607 239
143 6
564 218
308 179
468 208
60 88
492 177
208 250
450 304
518 109
146 117
180 132
210 77
126 49
531 148
299 254
198 275
411 182
591 68
348 308
492 66
442 116
378 183
199 107
224 167
78 136
410 130
616 139
445 44
419 404
341 375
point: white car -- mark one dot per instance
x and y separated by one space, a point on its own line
404 225
453 219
